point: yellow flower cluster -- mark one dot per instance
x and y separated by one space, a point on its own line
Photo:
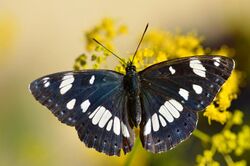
206 159
105 33
159 46
227 142
243 142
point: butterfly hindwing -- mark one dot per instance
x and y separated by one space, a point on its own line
171 94
115 135
164 125
92 101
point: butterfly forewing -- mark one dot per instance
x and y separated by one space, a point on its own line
92 101
171 94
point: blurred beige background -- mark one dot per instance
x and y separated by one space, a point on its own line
52 29
46 36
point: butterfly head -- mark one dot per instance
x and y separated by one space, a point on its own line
130 67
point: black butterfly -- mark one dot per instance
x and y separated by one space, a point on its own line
163 100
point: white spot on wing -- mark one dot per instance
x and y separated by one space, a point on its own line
176 104
116 126
125 132
85 105
66 83
70 105
65 89
199 72
184 93
172 109
197 89
162 120
217 61
68 76
109 126
45 78
92 79
155 122
196 64
172 70
197 67
47 84
217 64
147 128
94 112
105 118
98 115
68 79
166 114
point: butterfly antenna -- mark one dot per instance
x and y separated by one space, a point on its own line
140 42
109 50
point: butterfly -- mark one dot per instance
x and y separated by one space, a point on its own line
163 100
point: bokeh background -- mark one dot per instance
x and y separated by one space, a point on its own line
42 37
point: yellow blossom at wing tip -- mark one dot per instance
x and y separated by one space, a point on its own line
214 114
224 98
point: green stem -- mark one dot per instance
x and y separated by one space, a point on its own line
228 160
213 149
228 125
132 153
202 136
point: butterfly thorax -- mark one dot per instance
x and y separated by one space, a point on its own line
131 84
131 81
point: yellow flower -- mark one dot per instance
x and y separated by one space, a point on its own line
229 91
225 142
123 29
243 140
237 118
213 113
223 100
206 159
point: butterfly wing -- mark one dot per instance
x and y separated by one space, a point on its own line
172 92
94 102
